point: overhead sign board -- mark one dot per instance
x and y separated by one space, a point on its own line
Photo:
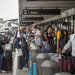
32 18
41 11
26 23
50 0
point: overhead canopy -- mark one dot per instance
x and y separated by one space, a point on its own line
14 25
27 8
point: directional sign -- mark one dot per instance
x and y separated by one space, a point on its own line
32 18
50 0
26 23
41 11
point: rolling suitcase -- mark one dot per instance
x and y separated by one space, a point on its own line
20 62
65 63
7 61
7 64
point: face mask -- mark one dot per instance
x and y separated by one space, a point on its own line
55 29
64 27
33 31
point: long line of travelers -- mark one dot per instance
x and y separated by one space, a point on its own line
49 39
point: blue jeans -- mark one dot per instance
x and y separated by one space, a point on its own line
1 60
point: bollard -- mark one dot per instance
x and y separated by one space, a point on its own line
62 73
40 58
49 67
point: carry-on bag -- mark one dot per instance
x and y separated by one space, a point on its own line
7 64
65 63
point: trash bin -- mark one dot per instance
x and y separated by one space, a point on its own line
41 58
49 67
62 73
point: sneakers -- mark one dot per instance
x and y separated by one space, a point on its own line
4 71
25 68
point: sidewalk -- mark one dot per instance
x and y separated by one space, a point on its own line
21 72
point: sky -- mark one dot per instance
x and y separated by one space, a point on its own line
8 9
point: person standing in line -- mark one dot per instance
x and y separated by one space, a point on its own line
37 36
27 34
25 51
71 43
2 47
49 37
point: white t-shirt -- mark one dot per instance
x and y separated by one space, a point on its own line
38 39
70 43
37 33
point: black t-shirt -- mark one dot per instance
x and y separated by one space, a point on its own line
64 35
49 36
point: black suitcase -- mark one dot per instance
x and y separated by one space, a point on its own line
7 64
20 62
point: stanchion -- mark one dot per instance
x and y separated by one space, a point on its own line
33 54
15 64
34 69
30 63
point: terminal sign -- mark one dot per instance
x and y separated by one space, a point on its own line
41 11
32 18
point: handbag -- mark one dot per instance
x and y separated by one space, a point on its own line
19 52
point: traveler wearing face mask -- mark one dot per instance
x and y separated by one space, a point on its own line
71 43
63 37
65 33
37 36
